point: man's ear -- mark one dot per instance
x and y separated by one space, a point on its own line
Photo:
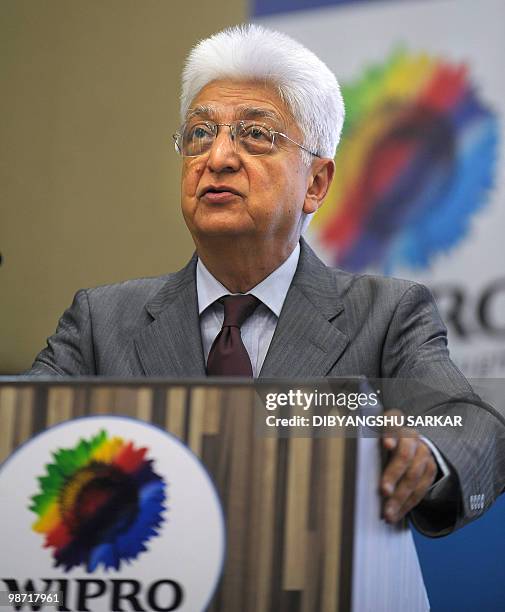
320 177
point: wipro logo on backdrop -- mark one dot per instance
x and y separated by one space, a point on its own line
99 503
416 162
111 513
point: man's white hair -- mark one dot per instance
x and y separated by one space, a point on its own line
303 82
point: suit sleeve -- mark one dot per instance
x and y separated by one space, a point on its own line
69 352
428 383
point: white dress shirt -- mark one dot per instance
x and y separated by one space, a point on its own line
258 330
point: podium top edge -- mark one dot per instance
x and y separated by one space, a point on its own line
79 381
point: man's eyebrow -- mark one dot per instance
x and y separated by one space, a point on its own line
202 110
242 112
254 112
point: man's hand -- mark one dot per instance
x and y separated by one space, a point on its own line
409 474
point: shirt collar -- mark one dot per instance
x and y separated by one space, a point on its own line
271 291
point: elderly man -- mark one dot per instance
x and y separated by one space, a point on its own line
262 117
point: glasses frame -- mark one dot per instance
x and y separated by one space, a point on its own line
177 136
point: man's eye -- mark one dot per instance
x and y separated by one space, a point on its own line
200 132
256 132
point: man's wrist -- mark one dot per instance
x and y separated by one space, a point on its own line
444 471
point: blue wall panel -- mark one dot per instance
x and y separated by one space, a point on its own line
270 7
465 572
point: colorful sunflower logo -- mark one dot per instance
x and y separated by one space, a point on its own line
99 503
415 163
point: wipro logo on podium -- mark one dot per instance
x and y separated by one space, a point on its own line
126 518
99 503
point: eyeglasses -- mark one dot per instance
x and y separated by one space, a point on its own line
195 139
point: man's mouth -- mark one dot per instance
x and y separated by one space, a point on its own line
219 194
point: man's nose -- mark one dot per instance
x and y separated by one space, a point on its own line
223 156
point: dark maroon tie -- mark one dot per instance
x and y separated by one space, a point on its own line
228 355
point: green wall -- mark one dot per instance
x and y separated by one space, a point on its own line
89 180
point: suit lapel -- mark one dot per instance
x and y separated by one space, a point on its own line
171 345
307 341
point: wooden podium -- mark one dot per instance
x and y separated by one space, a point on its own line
302 514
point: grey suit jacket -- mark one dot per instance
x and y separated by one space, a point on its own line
332 324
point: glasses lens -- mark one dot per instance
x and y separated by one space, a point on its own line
197 138
255 139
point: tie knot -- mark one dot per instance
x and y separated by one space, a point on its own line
238 308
